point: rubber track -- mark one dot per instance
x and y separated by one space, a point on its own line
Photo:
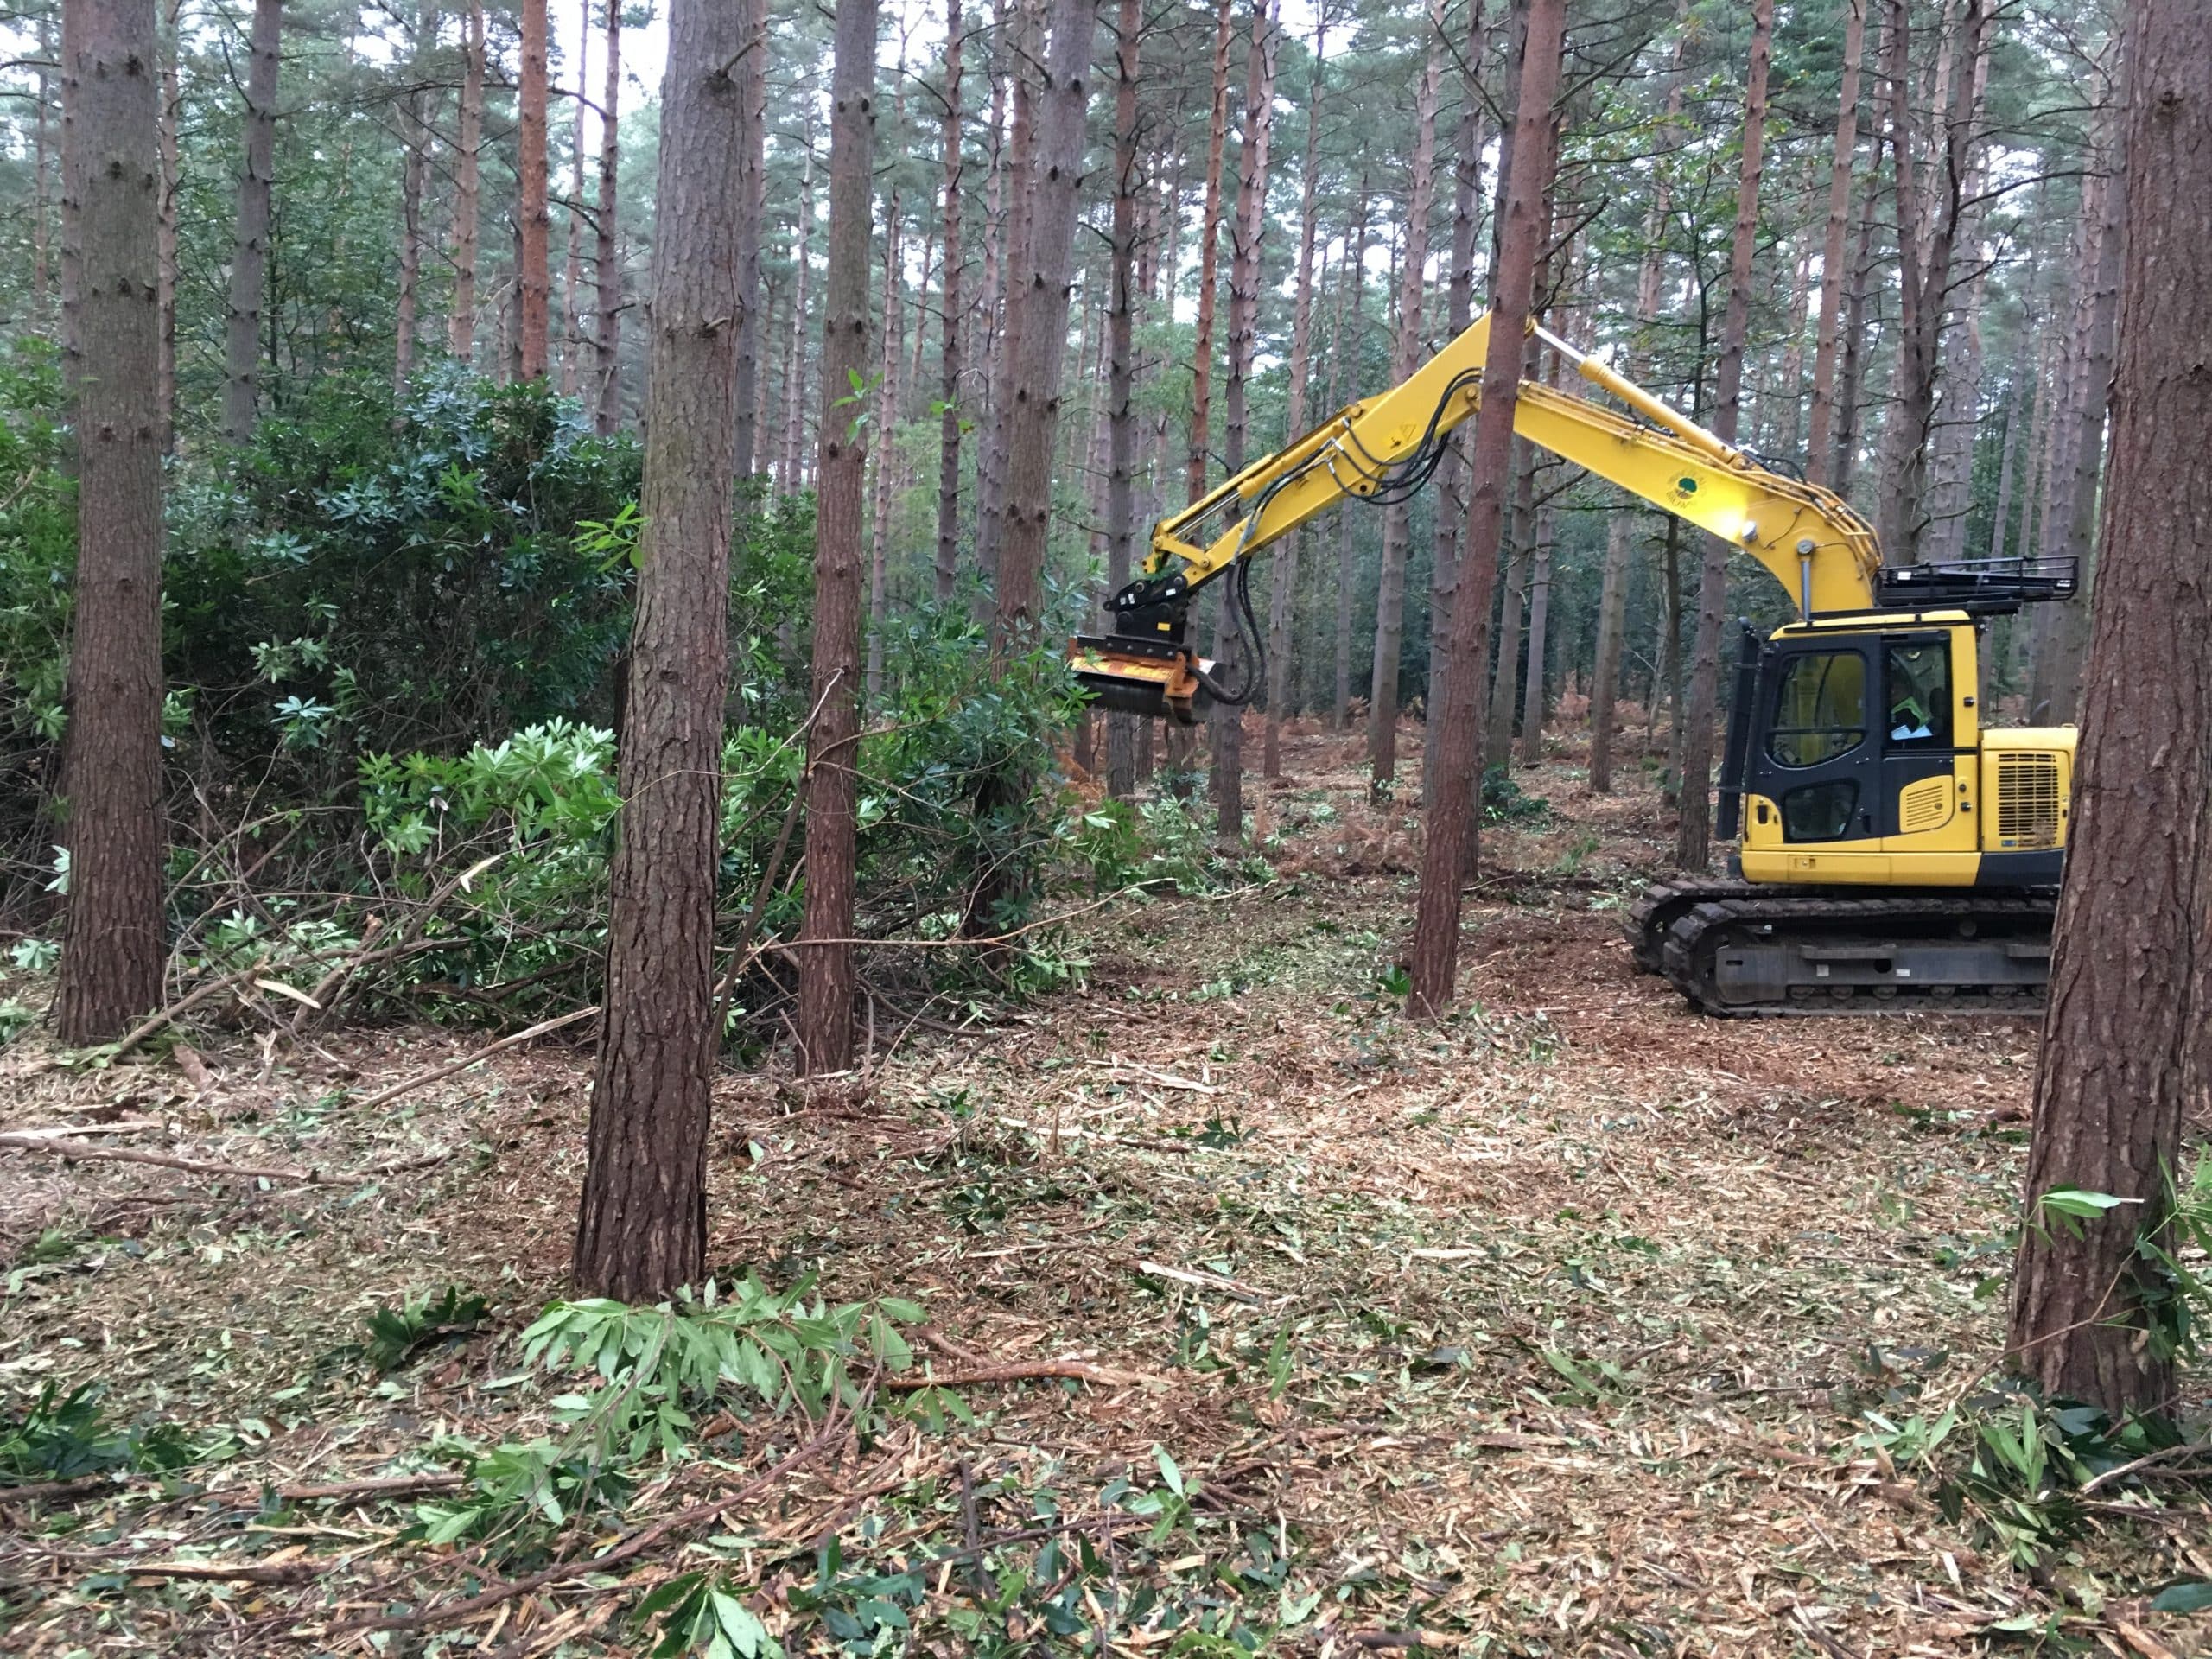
1694 932
1650 917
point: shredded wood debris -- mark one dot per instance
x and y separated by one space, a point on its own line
1551 1329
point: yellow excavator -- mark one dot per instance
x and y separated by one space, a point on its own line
1893 852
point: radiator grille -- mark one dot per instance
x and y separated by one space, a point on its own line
2027 800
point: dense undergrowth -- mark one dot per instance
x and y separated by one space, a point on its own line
397 638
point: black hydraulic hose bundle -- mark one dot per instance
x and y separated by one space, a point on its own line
1395 483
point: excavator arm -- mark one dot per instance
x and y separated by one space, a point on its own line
1384 449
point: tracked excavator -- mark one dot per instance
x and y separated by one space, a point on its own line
1893 852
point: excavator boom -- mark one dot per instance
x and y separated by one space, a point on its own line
1892 847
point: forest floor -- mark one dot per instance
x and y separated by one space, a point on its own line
1563 1327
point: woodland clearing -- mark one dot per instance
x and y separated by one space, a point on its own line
1573 1324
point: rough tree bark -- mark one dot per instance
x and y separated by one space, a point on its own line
1924 275
1436 925
1019 184
1244 233
1460 311
468 184
414 174
1519 544
825 972
572 269
950 414
641 1227
606 247
2127 1039
1620 528
886 418
534 217
1345 360
1843 461
751 75
1540 611
1039 291
1282 596
1390 584
1194 465
1821 442
803 262
2071 534
42 162
1694 820
250 242
167 114
1120 368
113 940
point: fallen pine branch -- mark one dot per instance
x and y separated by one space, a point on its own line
120 1126
377 1486
72 1151
191 999
440 1073
1030 1370
241 1571
1203 1280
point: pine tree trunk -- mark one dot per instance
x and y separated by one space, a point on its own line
1194 464
534 217
1346 358
1924 268
2127 1039
168 114
2059 673
1958 419
1282 595
947 572
825 979
752 77
1460 312
42 164
1820 444
72 240
1244 233
1444 853
467 182
114 943
1612 600
795 381
1505 678
1036 334
572 271
1039 328
2008 465
250 241
1540 610
1005 357
414 172
886 421
1120 369
1784 410
1843 462
641 1226
1694 821
607 249
1390 584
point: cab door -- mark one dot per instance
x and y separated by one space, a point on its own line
1927 732
1816 770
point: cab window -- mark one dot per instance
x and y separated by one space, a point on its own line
1919 696
1819 711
